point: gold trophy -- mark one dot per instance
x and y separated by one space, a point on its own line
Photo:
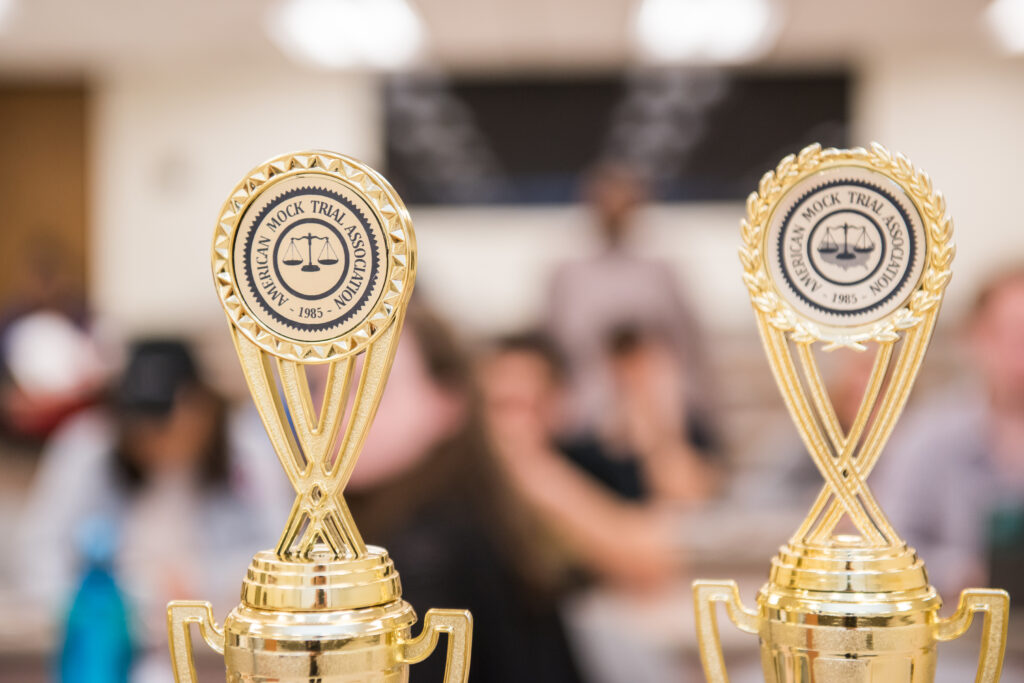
314 259
847 249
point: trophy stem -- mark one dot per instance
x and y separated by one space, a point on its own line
848 489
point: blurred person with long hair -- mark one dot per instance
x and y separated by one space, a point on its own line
154 469
429 489
957 471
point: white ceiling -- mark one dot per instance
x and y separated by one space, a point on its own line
90 36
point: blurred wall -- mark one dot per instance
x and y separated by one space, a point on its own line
504 258
960 117
166 151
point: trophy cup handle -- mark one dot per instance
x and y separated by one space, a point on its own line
180 615
705 595
458 624
996 605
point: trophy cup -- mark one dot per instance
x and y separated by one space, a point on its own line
847 249
314 259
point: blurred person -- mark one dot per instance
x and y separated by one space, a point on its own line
623 544
957 461
525 379
589 497
185 517
591 297
652 419
428 488
50 364
49 370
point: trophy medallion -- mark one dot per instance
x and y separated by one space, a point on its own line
310 259
846 245
314 260
847 249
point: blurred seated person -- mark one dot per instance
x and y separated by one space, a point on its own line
956 471
50 366
589 497
524 378
652 419
615 287
427 487
156 464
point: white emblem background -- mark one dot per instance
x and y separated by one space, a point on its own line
847 260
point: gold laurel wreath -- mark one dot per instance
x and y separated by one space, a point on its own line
399 238
930 204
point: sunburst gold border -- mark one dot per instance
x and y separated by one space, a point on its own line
400 241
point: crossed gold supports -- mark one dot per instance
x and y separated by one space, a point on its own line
844 466
855 607
317 463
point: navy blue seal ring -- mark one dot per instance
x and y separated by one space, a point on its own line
354 307
912 249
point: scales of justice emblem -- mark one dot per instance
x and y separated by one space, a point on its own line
847 250
326 256
850 255
314 260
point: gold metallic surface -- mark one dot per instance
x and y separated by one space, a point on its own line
847 608
322 606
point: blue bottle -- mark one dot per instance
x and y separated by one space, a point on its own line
97 640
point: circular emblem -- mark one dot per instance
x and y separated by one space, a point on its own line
845 246
310 258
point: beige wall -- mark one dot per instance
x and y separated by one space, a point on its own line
961 118
168 149
504 258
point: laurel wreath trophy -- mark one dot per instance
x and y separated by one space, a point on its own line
847 249
314 259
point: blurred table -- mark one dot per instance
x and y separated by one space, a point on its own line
651 638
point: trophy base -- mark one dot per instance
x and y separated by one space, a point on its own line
317 647
320 583
848 614
320 620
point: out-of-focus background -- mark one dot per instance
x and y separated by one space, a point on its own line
581 364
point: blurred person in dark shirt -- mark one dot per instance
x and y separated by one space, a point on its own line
525 379
590 497
653 419
428 488
954 484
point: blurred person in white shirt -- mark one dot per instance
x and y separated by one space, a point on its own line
189 509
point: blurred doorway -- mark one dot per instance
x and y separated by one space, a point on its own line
43 235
